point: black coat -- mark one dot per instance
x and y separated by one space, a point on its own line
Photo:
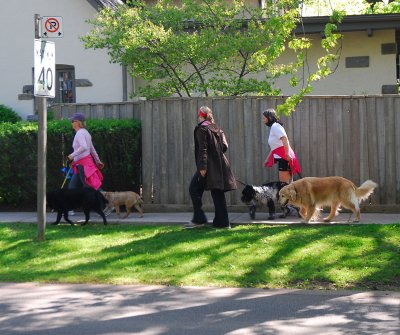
210 146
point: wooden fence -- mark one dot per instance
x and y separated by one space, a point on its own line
355 137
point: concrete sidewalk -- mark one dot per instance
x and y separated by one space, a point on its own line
179 218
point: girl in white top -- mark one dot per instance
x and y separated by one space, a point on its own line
279 144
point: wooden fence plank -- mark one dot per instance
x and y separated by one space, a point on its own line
347 155
373 144
156 168
396 135
235 131
175 147
303 146
321 131
189 121
147 154
266 174
381 147
364 167
331 141
355 143
389 149
162 159
314 140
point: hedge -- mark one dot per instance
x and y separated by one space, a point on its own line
118 143
7 114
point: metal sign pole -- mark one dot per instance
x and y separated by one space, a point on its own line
41 177
42 151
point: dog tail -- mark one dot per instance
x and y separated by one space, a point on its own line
366 189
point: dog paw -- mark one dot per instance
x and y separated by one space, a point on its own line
54 223
282 216
327 220
271 217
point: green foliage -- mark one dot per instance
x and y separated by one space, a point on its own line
7 114
364 256
324 64
208 48
382 8
325 7
118 143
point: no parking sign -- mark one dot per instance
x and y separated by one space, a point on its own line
52 26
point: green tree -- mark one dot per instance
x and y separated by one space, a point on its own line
354 7
388 7
326 7
210 47
7 114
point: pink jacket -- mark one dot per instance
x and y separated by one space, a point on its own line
294 164
93 176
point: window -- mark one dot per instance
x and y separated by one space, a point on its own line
65 85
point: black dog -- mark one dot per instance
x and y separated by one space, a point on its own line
267 194
65 200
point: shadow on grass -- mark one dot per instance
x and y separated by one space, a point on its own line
353 256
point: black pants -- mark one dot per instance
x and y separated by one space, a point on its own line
78 180
196 190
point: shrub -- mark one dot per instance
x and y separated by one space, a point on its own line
8 115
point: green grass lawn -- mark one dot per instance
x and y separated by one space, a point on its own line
319 256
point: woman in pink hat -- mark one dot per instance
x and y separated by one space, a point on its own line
86 162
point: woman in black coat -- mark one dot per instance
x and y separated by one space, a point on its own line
213 171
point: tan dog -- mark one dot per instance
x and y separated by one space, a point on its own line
311 193
128 198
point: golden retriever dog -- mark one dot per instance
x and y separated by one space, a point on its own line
128 198
311 193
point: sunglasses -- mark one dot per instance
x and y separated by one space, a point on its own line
72 121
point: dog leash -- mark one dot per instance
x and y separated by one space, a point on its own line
66 175
240 182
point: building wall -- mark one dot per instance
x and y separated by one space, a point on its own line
16 63
350 81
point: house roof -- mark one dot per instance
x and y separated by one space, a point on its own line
100 4
316 24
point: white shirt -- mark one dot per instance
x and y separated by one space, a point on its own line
275 134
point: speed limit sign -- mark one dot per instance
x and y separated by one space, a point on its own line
44 73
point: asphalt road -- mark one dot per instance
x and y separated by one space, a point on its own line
32 309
